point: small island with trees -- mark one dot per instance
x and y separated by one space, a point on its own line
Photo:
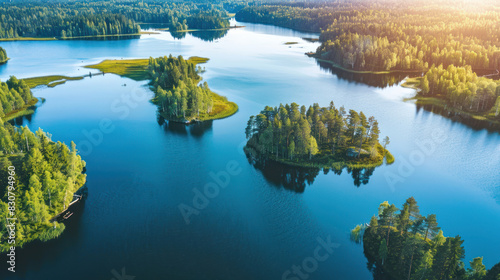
178 95
408 245
175 82
324 137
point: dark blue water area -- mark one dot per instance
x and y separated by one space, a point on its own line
259 221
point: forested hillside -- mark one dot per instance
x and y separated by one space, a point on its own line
98 18
409 245
317 136
38 179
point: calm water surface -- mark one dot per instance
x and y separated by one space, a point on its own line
257 227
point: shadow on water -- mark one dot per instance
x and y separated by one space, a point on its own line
26 119
459 118
209 36
196 130
297 178
374 80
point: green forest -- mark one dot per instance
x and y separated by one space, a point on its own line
15 96
3 56
463 89
447 44
317 136
178 95
100 18
46 176
404 244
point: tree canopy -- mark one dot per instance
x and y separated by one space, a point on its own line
404 244
46 176
323 136
14 95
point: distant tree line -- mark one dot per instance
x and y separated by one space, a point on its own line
365 35
403 244
322 135
46 176
71 19
3 55
177 92
14 95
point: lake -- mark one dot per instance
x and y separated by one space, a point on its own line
261 219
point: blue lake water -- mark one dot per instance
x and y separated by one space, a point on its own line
257 227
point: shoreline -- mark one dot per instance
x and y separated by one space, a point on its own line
383 72
448 111
74 37
388 160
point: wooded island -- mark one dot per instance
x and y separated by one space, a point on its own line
318 136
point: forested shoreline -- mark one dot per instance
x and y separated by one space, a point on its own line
101 18
15 97
318 136
3 56
178 95
409 245
445 43
47 174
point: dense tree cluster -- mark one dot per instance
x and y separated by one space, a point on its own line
3 55
364 35
61 20
408 245
71 19
46 176
177 92
14 95
463 88
321 134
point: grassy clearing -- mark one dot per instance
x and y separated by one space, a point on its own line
135 69
413 83
222 108
198 59
50 81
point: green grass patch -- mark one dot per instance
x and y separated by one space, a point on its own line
198 59
50 81
413 83
135 69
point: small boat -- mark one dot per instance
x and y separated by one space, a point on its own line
67 215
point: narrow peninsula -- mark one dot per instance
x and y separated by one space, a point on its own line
175 81
324 137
